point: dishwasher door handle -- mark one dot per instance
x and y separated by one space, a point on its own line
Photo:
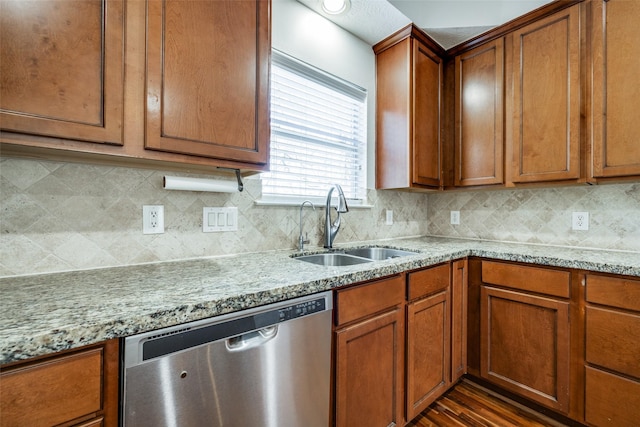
252 339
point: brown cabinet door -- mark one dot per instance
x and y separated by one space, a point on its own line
392 116
427 98
78 385
369 367
409 97
525 345
611 400
458 320
543 99
428 351
479 94
208 77
61 73
615 48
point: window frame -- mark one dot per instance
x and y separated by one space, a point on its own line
321 77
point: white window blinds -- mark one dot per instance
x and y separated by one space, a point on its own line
318 133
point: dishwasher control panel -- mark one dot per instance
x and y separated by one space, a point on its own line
301 309
154 344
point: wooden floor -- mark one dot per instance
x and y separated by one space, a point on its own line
469 405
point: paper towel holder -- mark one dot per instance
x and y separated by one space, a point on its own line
238 177
203 184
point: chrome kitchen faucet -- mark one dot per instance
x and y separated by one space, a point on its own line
331 230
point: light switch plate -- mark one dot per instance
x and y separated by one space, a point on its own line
455 217
389 217
219 219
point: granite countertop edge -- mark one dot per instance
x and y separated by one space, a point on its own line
48 313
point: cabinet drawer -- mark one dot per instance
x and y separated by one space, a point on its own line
428 281
611 400
622 293
532 279
612 340
52 392
369 298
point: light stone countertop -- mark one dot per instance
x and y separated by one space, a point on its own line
46 313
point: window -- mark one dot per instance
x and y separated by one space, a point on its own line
318 134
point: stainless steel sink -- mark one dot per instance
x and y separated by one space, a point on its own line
378 254
333 259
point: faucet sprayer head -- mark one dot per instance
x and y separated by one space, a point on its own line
342 201
330 230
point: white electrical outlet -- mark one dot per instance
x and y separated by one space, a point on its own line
152 219
389 217
455 217
580 221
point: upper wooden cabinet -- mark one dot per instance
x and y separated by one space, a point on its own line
409 92
194 88
543 99
479 97
62 71
615 53
208 78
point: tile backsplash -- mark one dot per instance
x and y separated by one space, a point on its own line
60 216
543 216
63 216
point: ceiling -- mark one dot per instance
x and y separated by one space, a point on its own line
448 22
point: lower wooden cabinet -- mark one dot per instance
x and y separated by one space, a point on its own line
428 337
369 383
393 346
78 388
611 400
612 369
428 360
525 345
459 279
562 339
524 342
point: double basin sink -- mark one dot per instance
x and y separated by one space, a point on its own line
354 256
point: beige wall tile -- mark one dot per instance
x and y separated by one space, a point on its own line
61 216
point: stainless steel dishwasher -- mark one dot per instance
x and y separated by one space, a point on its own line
266 366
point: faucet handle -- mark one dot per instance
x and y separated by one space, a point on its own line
303 240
